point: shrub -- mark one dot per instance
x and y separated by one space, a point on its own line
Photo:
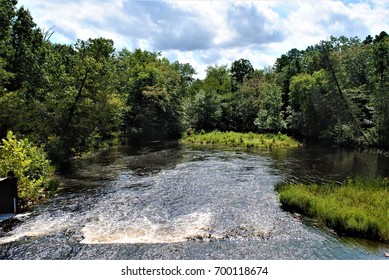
30 165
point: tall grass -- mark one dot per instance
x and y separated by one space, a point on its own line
247 141
357 207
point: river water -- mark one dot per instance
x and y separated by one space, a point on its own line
172 202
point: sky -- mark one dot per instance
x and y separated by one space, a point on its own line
205 33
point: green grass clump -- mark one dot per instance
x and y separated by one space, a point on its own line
357 207
246 141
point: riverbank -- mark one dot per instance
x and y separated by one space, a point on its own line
357 207
245 141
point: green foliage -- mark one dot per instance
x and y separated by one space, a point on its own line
58 95
240 107
246 141
217 79
270 115
381 91
358 206
81 108
152 87
30 165
311 97
240 69
335 90
381 58
341 134
205 111
28 54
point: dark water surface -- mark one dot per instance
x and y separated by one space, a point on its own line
172 202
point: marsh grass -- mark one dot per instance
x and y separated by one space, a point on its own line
245 141
357 207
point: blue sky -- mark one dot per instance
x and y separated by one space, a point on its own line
206 33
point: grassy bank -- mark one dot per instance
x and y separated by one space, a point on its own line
246 141
357 207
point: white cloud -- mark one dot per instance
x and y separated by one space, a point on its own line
206 33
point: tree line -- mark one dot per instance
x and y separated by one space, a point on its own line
70 99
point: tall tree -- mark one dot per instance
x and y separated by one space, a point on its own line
29 54
205 111
240 108
23 59
217 79
313 104
7 15
270 115
83 108
152 86
381 90
240 69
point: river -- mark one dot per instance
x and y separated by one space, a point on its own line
167 201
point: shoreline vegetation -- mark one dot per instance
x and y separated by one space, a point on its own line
357 207
236 140
28 163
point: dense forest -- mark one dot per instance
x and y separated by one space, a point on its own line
70 99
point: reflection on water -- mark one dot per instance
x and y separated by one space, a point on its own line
172 202
316 164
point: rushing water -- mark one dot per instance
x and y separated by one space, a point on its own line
171 202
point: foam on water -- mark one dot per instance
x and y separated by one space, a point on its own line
43 225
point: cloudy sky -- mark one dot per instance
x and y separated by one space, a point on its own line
206 33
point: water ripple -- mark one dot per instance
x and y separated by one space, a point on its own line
176 203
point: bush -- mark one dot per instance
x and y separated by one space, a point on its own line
30 165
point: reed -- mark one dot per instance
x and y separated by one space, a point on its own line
357 207
246 141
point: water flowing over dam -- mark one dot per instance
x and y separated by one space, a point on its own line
173 202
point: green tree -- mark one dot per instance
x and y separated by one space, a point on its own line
240 108
29 55
23 60
154 95
84 108
7 15
217 80
205 111
350 91
314 106
240 69
381 57
270 115
186 72
381 89
287 66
